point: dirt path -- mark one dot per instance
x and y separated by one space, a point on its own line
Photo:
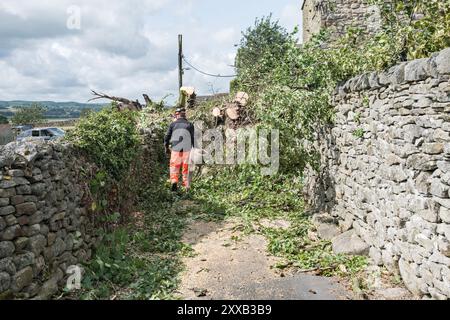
230 265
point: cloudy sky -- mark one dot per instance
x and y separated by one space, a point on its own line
124 48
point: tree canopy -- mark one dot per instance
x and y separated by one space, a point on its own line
28 115
261 49
3 120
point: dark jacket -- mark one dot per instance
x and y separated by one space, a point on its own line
180 135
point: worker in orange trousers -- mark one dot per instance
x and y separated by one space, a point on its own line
178 142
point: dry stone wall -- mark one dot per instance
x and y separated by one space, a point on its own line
44 222
385 170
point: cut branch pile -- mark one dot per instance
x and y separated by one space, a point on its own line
232 110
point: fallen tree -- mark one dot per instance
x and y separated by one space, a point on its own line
123 103
232 110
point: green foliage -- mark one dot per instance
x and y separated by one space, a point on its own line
28 115
291 86
121 268
261 48
414 29
233 85
143 261
158 106
202 112
359 133
293 98
301 252
410 30
242 192
366 101
157 120
85 112
100 186
110 138
3 120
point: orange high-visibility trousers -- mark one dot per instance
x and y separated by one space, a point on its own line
179 161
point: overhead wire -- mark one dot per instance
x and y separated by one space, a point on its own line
206 73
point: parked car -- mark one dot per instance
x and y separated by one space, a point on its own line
41 134
20 129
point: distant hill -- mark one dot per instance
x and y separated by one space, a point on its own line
51 104
55 110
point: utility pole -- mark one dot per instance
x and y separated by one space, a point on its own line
180 60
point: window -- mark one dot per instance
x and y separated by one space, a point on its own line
57 131
46 133
25 134
35 133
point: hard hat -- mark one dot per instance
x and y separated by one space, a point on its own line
180 110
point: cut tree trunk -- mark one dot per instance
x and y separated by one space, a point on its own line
233 112
217 112
241 99
187 97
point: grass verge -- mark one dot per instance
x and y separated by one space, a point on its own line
142 260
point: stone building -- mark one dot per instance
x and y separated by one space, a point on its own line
338 15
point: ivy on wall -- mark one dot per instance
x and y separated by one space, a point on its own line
291 85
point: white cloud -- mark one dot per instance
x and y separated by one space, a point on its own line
226 35
110 52
290 15
124 48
